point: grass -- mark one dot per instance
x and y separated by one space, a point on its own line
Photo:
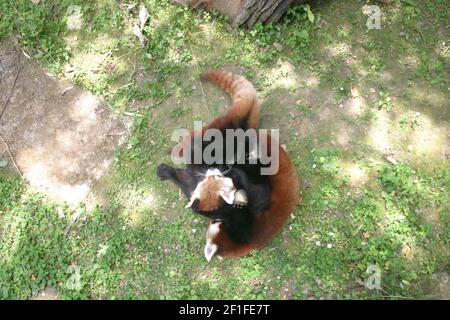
358 209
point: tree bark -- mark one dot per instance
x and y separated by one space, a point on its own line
245 13
254 11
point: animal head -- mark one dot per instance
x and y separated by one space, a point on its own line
212 191
209 195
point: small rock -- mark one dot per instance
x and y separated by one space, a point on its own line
278 46
391 160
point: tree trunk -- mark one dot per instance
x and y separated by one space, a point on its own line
245 13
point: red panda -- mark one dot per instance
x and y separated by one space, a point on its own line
246 210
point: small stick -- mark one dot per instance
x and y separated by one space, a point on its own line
12 89
10 155
409 3
69 227
198 71
63 92
100 103
126 54
130 114
114 134
204 96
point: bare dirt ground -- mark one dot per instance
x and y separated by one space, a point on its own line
355 102
49 293
61 138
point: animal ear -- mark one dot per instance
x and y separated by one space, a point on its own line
227 195
210 250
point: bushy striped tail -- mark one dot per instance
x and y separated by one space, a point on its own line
245 105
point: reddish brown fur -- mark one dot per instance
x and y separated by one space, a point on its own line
244 99
285 184
210 199
243 95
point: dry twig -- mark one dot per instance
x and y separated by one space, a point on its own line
13 86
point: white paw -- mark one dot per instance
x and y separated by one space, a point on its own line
240 199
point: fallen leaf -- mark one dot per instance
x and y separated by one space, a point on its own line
391 160
130 6
103 249
63 92
143 16
406 250
138 33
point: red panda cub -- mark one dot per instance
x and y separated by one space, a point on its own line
246 209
